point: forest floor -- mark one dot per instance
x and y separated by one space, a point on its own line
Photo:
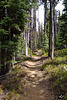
30 81
37 86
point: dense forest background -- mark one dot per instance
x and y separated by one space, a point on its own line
18 35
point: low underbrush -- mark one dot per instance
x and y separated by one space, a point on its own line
57 70
44 52
12 85
19 60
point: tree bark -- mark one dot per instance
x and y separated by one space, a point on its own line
31 31
50 28
34 28
51 31
26 44
45 16
52 14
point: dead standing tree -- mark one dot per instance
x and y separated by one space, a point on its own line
34 28
26 37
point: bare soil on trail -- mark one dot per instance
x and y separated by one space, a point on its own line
37 85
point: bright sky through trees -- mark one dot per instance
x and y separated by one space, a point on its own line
60 6
41 11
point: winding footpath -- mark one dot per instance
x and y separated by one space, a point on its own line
37 85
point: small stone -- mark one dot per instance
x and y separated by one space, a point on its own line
33 76
33 85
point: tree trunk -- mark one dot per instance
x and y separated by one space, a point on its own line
55 30
31 31
52 14
45 16
55 26
50 28
26 44
51 33
28 34
38 35
34 28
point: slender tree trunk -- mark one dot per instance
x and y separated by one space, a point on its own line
52 7
31 45
31 31
55 27
24 36
45 16
28 33
26 44
38 34
55 30
51 31
34 28
50 28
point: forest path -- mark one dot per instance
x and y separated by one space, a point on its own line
37 85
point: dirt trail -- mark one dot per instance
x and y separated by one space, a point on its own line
37 85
